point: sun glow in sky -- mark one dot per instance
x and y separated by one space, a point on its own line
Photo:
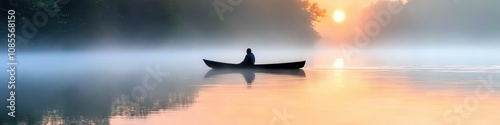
341 18
338 16
350 10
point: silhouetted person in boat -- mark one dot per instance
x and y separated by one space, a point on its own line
249 58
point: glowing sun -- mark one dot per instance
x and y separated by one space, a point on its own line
338 16
338 63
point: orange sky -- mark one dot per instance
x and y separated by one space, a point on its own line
334 32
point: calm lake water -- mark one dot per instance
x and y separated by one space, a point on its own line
131 94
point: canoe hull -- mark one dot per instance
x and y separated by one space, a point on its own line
221 65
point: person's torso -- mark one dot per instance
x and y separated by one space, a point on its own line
252 58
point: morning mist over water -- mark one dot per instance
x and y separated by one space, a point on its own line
269 62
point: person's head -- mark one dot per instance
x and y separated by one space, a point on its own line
249 50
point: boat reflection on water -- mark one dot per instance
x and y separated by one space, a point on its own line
249 74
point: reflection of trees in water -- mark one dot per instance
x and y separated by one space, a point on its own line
178 100
95 103
47 104
167 95
125 106
56 117
59 117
